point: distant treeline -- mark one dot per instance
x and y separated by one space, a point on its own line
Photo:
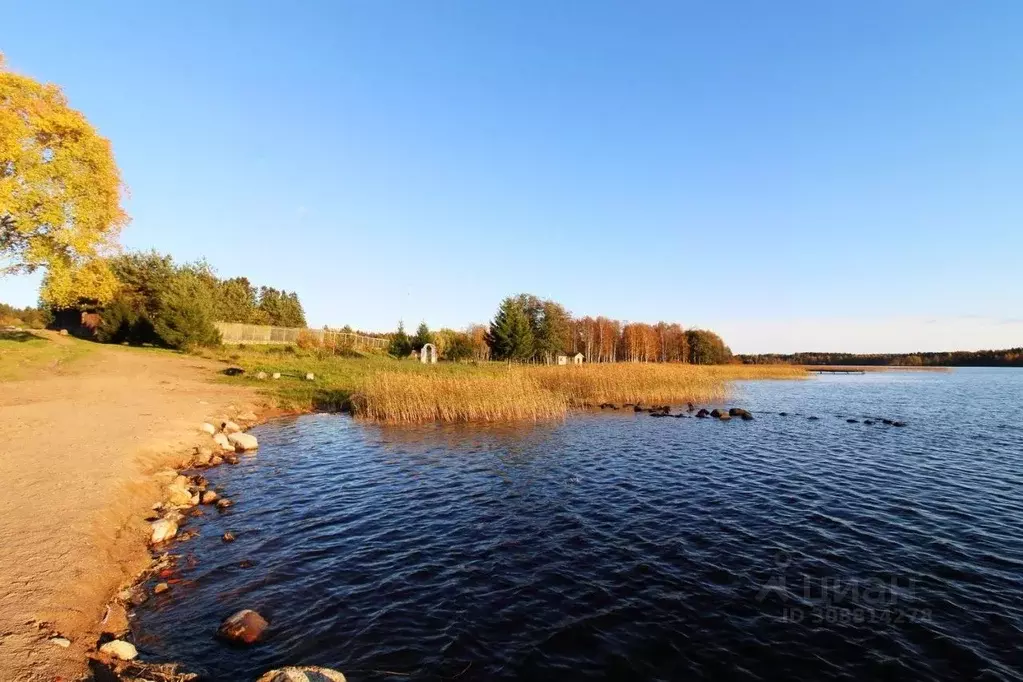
32 318
526 328
1010 357
159 302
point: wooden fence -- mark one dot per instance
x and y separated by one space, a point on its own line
258 334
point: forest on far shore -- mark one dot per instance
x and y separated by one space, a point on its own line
1009 357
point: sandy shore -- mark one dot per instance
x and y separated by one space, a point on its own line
77 448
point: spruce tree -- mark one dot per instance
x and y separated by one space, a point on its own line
422 337
510 337
401 345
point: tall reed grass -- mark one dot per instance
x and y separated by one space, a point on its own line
501 393
415 397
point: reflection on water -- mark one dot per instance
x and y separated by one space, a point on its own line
614 545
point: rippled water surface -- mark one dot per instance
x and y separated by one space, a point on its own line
614 545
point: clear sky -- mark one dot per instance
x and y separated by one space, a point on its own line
797 175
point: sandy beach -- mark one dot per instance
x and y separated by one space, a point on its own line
77 446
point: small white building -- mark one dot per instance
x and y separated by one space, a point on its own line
561 359
577 359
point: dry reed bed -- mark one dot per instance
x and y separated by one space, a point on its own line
541 392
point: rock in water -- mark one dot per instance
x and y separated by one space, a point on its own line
209 497
120 649
243 441
302 674
161 588
207 428
227 537
164 530
703 414
244 627
221 440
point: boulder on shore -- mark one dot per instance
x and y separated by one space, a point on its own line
302 674
243 441
244 627
164 530
206 427
120 649
203 456
221 440
248 417
230 427
178 495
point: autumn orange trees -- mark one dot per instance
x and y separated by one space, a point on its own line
547 330
60 191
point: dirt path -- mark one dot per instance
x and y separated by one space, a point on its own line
76 448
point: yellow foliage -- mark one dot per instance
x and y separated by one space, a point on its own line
65 284
60 190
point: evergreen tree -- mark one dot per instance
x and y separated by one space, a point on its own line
422 337
401 344
510 336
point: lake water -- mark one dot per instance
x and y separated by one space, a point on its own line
614 545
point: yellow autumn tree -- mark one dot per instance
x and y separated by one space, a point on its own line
60 192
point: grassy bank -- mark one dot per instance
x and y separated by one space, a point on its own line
383 389
26 354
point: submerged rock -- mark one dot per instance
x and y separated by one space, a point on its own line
209 497
898 423
120 649
852 421
244 627
302 674
223 503
813 419
243 441
231 458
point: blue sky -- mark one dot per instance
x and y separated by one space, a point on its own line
798 175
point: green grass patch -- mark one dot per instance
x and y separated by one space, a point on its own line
26 355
